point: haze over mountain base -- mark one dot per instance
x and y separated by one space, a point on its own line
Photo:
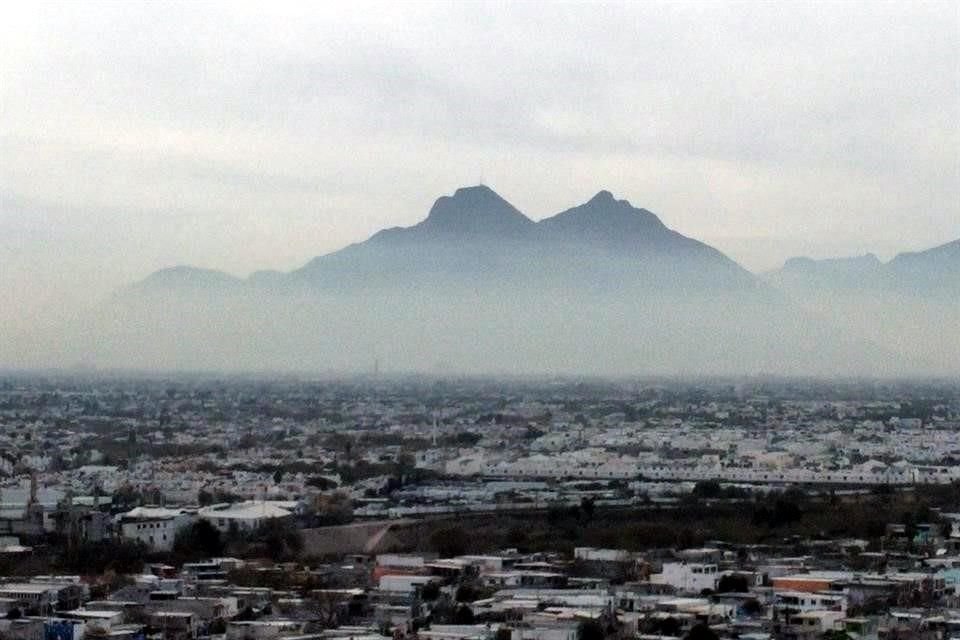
603 288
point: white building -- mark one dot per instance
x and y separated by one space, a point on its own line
688 577
156 527
245 516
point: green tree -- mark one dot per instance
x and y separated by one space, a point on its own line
590 630
701 631
463 615
278 538
95 558
733 583
200 539
430 592
707 489
450 541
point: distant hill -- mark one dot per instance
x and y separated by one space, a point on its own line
934 269
182 278
918 272
478 287
911 304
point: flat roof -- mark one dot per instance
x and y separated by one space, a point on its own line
93 613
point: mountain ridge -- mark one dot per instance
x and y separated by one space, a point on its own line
476 220
603 286
936 268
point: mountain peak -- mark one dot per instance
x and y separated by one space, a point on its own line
605 214
475 210
602 196
478 191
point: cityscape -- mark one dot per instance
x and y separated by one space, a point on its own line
479 320
556 509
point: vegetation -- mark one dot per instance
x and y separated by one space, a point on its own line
701 632
766 518
94 558
200 540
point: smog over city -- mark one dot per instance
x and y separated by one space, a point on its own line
480 320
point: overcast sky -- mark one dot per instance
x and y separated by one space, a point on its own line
135 136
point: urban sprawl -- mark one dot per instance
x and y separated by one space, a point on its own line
182 507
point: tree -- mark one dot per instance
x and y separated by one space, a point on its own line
702 631
463 615
430 592
587 508
707 489
667 627
278 538
326 608
126 498
471 591
752 607
335 508
590 630
733 583
246 615
322 483
94 558
199 539
221 496
467 439
450 541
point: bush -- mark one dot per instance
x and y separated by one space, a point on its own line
450 541
701 632
590 630
278 538
733 583
200 540
94 558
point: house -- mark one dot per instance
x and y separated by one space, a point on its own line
689 577
155 527
245 516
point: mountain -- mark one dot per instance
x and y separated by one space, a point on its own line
476 238
608 223
913 273
477 287
470 235
474 211
911 302
181 278
934 269
617 239
831 272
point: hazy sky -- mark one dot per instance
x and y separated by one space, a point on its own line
135 136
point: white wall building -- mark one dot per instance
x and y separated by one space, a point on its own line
245 516
156 527
688 577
